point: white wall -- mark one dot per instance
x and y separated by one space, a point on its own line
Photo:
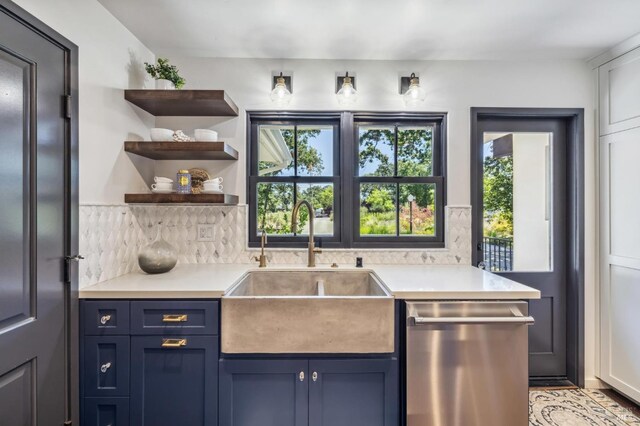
110 60
531 249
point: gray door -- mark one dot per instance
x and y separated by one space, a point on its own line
32 227
519 192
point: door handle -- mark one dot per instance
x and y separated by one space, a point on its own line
471 320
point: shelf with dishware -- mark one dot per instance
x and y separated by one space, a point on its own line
182 150
183 103
176 198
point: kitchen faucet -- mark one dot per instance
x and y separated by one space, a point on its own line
294 224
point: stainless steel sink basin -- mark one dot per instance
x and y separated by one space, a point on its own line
308 311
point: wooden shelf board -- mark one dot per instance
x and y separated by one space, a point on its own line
186 103
220 199
182 150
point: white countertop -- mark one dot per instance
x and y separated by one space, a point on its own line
404 281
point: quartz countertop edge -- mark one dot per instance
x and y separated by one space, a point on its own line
410 282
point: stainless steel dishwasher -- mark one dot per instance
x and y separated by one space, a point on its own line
467 363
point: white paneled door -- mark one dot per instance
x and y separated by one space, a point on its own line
620 261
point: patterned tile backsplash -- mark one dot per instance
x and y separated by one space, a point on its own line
111 236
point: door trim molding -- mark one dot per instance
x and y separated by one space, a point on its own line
71 201
575 217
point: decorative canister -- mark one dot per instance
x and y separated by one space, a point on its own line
183 182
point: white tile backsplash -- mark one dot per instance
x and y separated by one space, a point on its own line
111 236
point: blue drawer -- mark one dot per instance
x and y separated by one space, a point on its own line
174 317
104 317
105 366
105 412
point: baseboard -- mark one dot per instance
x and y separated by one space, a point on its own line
595 383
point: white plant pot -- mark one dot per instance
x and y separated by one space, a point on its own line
162 84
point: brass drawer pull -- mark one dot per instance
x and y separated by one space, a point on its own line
175 318
174 343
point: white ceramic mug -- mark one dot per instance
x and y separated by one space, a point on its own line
159 179
162 186
212 187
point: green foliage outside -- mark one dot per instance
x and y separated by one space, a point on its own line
498 197
275 200
163 70
378 201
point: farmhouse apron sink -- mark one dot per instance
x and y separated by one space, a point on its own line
307 311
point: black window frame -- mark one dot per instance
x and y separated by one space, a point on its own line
346 180
254 120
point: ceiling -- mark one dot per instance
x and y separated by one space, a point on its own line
380 29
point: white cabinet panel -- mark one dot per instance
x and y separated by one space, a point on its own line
620 93
624 193
624 339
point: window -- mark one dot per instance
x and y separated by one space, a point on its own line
399 184
387 167
297 158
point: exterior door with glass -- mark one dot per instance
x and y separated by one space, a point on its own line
520 199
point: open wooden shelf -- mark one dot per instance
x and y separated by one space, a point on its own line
182 150
187 103
220 199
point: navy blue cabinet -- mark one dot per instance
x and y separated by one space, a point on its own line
309 392
353 392
174 380
264 392
106 366
105 412
149 363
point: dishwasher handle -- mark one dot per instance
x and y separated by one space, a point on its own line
417 321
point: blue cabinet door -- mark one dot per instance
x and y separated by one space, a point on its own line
353 392
105 412
174 381
105 366
264 392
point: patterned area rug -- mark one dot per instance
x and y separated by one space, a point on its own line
577 407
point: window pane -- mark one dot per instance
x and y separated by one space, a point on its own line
376 156
315 150
274 205
321 198
517 209
377 209
418 209
275 150
415 151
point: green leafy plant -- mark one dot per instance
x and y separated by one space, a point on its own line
163 70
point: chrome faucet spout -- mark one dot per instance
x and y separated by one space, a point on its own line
294 224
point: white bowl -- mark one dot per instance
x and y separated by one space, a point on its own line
161 135
206 135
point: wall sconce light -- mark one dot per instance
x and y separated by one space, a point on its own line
411 91
281 93
346 90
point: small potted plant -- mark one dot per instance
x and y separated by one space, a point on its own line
166 75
